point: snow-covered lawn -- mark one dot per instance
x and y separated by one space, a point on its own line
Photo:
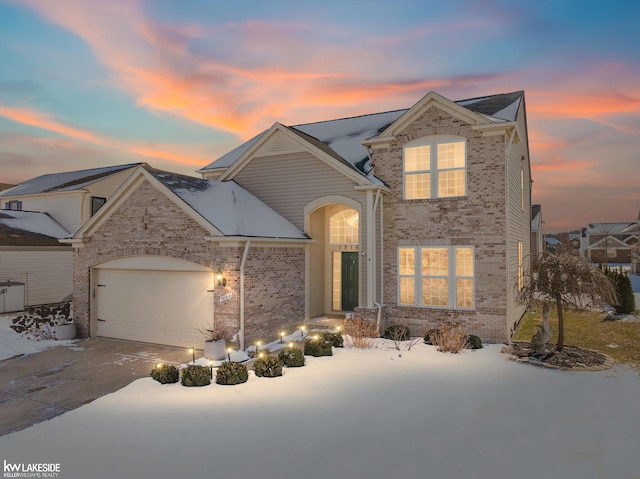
359 414
12 344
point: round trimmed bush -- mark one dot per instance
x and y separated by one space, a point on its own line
334 338
232 373
317 347
194 376
268 367
291 357
474 342
166 374
397 332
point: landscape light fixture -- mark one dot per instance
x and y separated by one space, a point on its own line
193 355
282 333
290 344
258 343
211 368
220 279
229 353
302 328
159 365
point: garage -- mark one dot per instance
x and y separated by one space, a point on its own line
151 299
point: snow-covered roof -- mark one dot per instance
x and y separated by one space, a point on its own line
609 228
24 227
344 136
552 241
67 181
229 207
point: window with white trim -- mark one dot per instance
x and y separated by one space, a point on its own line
14 205
436 276
520 265
344 227
435 167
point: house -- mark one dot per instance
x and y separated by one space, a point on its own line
609 242
420 215
39 211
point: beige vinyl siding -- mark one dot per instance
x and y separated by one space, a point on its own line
288 183
102 189
47 272
62 207
518 217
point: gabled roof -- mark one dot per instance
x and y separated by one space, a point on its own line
67 181
344 137
610 228
228 207
28 228
222 208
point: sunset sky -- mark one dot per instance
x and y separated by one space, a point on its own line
177 84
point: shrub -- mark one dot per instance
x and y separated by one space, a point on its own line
397 332
268 367
428 336
291 357
318 347
166 374
194 375
361 333
450 339
334 338
232 373
38 322
474 342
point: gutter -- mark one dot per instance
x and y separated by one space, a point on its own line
375 303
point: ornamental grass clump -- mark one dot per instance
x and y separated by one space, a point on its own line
165 374
195 376
450 338
268 367
230 373
360 334
291 357
317 347
397 332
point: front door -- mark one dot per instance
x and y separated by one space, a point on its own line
349 281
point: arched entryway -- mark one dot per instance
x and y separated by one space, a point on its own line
333 266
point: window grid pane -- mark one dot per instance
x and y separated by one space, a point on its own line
417 158
417 186
464 293
435 262
464 262
451 155
407 290
344 227
451 183
336 290
435 292
407 261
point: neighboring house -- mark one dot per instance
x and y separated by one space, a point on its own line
33 256
609 242
420 215
635 249
537 235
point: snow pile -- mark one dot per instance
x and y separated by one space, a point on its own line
369 414
13 344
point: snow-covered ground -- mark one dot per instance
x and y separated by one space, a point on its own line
367 414
13 344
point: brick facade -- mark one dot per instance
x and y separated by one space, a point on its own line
149 223
477 219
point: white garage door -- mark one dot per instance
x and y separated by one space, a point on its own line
155 306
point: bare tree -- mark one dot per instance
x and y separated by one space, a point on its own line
566 281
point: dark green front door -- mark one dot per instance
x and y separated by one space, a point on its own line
349 281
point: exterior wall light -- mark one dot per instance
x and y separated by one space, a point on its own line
220 279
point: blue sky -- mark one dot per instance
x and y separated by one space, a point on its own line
179 83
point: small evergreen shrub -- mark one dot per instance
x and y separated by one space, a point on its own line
474 342
291 357
166 374
194 375
317 347
397 332
268 367
428 336
232 373
335 339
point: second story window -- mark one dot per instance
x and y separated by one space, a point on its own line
435 167
14 205
96 204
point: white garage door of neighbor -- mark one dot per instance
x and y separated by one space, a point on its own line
162 307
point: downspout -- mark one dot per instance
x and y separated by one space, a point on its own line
376 303
242 264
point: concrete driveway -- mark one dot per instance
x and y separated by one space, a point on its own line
43 385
